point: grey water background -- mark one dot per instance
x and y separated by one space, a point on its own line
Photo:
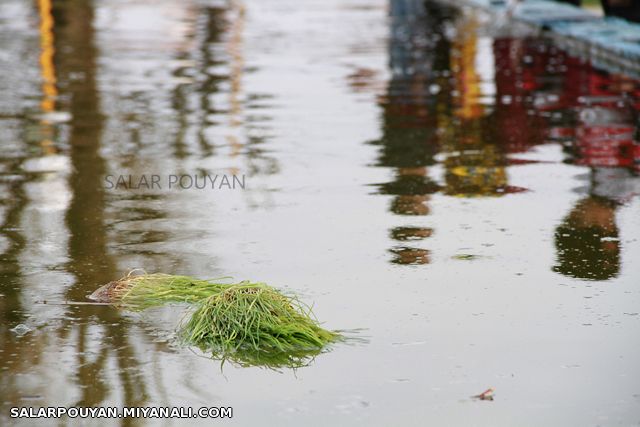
454 187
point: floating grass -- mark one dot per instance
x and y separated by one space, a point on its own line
253 321
246 323
137 292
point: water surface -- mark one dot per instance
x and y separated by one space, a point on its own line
458 189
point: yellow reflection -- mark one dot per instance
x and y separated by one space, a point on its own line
47 71
47 68
464 68
474 166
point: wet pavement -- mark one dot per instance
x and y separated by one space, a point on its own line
461 195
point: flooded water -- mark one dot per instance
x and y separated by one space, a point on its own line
457 190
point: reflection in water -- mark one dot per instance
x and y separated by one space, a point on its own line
49 90
57 221
587 241
46 56
133 87
406 256
474 159
89 260
182 108
418 54
592 113
33 195
410 233
478 100
491 117
236 70
603 139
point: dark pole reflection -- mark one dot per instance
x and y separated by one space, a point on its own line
418 59
90 261
587 240
20 353
15 354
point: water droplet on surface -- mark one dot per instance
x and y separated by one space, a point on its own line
21 330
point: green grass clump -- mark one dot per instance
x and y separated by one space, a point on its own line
250 324
249 321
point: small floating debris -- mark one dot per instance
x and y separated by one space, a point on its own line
21 330
485 395
246 323
466 257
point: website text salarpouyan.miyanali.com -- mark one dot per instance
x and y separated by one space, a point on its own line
121 412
